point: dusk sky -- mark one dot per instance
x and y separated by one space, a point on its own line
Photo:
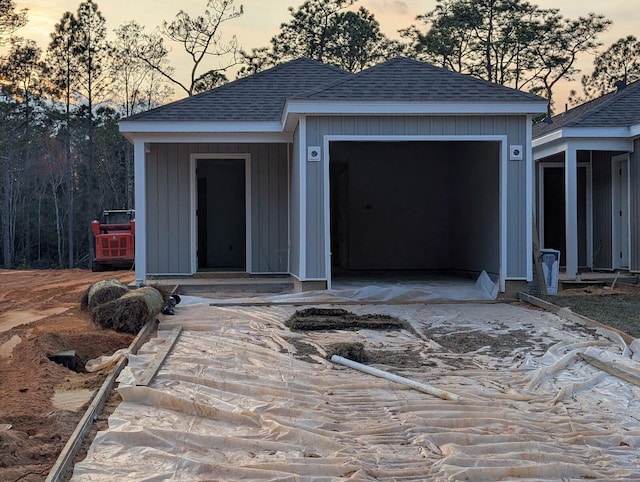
262 18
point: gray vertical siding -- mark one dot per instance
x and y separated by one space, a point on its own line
315 221
269 197
518 257
169 205
514 127
168 211
634 196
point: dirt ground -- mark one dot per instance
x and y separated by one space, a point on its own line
40 315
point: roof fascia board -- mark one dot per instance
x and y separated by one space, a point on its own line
595 132
603 144
198 127
558 145
586 133
410 108
213 137
634 130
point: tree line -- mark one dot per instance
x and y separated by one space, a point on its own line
62 159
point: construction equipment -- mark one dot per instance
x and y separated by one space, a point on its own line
114 240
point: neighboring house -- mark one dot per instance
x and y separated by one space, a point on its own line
307 170
588 183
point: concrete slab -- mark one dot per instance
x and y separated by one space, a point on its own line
224 285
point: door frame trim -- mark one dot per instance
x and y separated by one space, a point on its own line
193 158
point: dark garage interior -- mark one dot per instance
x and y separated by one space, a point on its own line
411 206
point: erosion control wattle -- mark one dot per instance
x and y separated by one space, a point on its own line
102 292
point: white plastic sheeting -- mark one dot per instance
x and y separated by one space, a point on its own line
419 290
235 401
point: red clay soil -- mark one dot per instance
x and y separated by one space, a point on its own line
40 315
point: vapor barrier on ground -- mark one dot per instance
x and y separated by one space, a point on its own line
243 397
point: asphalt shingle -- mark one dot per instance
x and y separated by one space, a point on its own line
406 80
261 97
615 109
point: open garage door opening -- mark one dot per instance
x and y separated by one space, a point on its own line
415 208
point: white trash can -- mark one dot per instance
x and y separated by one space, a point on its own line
550 267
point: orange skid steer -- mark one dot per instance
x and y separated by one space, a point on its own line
114 240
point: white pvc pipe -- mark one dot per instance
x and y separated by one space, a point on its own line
395 378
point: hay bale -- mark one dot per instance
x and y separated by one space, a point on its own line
102 292
130 312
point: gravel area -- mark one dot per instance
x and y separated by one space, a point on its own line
618 307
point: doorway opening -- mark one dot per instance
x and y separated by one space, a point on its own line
221 214
553 230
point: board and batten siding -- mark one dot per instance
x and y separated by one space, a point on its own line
513 127
169 205
634 195
168 210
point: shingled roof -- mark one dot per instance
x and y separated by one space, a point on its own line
615 109
407 80
259 97
262 96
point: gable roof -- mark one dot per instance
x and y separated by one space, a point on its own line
406 80
258 97
615 109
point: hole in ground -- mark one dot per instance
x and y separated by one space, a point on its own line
67 359
85 346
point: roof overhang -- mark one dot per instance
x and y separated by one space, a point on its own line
191 131
585 138
294 108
